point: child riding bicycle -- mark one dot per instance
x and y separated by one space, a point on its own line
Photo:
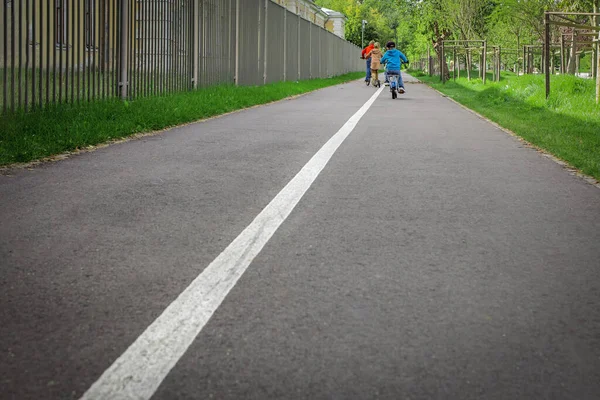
393 59
375 56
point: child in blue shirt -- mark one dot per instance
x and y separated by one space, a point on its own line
393 59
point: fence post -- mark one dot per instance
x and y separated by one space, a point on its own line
237 43
484 69
499 61
320 52
495 62
429 69
595 48
442 63
196 43
266 41
454 62
310 73
299 52
547 52
598 70
481 60
562 54
285 13
123 81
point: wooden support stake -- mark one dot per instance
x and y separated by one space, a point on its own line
598 72
484 61
547 51
562 54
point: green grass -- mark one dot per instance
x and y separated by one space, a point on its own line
57 129
567 124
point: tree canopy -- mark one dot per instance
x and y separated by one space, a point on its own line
417 24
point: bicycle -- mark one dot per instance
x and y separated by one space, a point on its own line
394 88
393 79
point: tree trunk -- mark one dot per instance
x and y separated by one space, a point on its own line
443 64
439 38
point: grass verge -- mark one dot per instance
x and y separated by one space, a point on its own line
26 137
567 124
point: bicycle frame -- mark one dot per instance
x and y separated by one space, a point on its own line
393 79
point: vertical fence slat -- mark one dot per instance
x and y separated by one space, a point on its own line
123 48
5 47
87 50
171 46
168 27
54 46
188 10
162 43
112 32
115 44
146 48
181 52
157 40
48 50
164 47
94 49
41 77
80 70
20 46
136 43
101 54
181 45
140 47
26 48
154 46
74 37
116 49
191 47
12 56
176 43
99 49
33 57
67 42
104 48
167 44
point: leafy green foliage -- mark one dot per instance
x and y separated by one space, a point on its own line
418 24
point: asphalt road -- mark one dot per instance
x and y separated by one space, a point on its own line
434 257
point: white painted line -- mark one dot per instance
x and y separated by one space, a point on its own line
138 372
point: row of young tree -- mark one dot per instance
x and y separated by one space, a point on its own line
419 25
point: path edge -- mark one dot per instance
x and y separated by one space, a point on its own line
10 169
564 164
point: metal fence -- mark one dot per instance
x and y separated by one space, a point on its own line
70 51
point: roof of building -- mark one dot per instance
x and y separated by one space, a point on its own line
332 13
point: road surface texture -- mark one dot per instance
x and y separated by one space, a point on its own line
433 257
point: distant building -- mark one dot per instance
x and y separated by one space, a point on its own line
336 22
333 21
